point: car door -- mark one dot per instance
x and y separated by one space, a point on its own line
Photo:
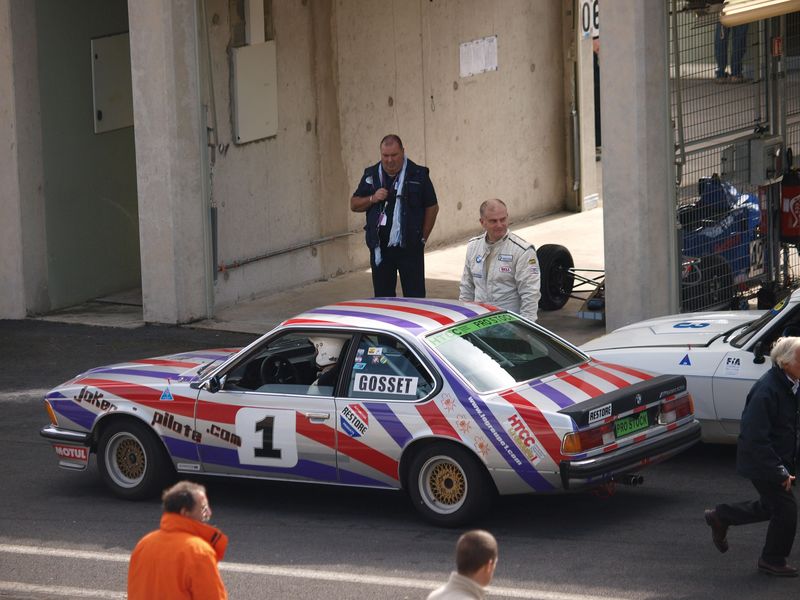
739 370
377 414
269 419
735 375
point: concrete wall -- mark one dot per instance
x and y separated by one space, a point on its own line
348 73
23 267
89 179
496 134
169 160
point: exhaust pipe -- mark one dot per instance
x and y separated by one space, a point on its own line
631 479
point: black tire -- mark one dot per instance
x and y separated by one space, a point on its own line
557 281
132 461
448 485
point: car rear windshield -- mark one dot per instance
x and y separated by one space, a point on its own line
500 351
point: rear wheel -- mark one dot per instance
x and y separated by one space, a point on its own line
448 485
555 263
132 461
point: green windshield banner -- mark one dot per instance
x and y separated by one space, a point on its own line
437 339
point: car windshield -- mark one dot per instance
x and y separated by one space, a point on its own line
500 351
757 325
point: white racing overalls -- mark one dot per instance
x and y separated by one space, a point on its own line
505 274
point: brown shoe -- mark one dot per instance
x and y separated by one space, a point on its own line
719 531
777 570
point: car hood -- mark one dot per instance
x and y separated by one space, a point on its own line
182 367
690 329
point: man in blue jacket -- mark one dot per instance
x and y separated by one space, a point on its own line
767 455
401 208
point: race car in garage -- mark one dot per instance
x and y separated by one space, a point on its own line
721 355
453 402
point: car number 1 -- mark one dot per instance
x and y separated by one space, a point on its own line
268 437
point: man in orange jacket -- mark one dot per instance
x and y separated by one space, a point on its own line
179 560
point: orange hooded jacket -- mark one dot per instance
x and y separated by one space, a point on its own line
178 561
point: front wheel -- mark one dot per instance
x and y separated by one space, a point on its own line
448 485
131 460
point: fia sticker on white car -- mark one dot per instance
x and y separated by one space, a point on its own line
732 365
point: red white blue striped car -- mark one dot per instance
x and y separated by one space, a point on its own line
451 401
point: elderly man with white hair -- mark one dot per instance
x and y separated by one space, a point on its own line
767 455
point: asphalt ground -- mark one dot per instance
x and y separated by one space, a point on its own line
63 535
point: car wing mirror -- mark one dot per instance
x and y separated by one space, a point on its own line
211 385
758 351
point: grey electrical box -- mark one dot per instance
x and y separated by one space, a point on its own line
255 92
111 82
766 160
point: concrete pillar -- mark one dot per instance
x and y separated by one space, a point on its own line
640 255
23 258
169 134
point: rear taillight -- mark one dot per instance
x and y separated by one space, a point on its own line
51 413
675 408
587 439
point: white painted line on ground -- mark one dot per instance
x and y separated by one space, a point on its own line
23 395
57 590
300 573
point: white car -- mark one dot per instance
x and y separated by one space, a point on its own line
721 354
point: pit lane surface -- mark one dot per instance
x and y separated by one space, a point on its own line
62 535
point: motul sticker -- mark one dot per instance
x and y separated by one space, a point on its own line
77 453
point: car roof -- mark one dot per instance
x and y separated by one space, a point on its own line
414 316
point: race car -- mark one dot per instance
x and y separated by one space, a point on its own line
452 402
721 354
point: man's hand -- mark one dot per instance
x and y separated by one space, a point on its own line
380 195
787 483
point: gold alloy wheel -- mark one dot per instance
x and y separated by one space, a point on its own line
126 459
443 484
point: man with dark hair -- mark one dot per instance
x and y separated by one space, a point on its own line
401 208
179 560
766 454
476 559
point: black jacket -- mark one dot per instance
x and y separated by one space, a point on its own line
418 194
767 447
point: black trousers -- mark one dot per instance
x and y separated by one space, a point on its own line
409 262
775 505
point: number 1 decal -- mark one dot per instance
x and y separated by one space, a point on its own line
266 426
268 437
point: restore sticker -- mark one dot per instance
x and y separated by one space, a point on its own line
600 413
354 420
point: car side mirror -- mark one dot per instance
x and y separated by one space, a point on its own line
212 385
758 351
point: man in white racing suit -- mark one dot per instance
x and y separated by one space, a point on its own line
501 268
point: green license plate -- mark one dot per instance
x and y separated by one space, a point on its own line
631 424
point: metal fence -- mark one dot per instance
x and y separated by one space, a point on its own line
725 91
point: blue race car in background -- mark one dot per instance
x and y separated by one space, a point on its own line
721 243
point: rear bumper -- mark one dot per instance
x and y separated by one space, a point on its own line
604 467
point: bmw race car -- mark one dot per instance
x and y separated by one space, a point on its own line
450 401
721 354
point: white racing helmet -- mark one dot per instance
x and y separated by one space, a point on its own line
328 350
